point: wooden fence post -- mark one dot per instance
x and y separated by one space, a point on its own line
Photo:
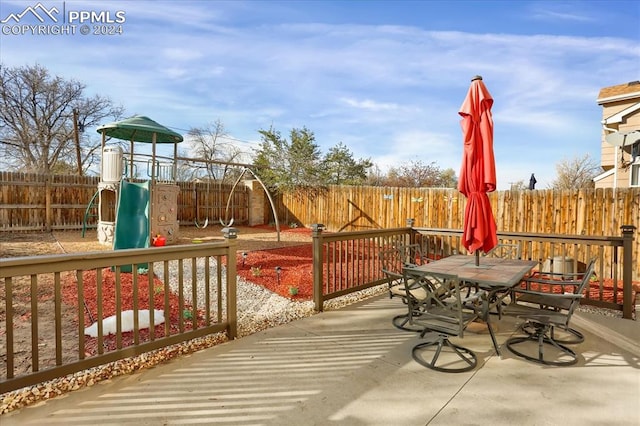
627 267
47 203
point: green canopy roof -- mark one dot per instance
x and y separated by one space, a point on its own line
140 129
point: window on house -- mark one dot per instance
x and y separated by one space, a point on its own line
635 165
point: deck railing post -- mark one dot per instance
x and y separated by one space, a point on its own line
627 266
316 234
231 235
412 234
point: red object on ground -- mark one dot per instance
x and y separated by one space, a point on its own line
478 170
159 241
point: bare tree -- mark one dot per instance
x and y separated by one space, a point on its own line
37 120
576 173
415 174
211 143
517 185
375 176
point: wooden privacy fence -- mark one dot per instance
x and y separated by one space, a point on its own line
30 201
201 201
36 202
356 208
594 212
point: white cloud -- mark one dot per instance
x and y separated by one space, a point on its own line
390 92
368 104
180 54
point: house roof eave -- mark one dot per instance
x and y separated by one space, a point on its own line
604 175
620 116
617 98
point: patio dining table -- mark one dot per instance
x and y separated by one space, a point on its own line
493 274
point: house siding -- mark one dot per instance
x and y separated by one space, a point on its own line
614 100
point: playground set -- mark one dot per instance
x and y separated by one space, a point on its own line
137 213
131 213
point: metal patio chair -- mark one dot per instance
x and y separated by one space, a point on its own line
546 313
505 251
393 261
441 312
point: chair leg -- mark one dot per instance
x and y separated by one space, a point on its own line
461 353
542 337
573 336
570 336
493 337
400 322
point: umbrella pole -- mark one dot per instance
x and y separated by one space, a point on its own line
477 258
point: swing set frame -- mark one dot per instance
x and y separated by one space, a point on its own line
228 221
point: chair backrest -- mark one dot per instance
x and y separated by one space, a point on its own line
394 259
411 254
436 301
505 251
548 300
582 286
390 262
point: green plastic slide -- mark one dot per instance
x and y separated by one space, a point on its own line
132 219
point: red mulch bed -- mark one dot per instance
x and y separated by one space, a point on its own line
608 294
284 228
69 296
259 267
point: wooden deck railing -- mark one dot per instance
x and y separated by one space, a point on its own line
348 261
197 296
345 262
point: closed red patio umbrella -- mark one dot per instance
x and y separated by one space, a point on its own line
478 170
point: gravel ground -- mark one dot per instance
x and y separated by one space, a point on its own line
257 308
600 311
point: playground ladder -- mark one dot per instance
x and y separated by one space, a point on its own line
87 213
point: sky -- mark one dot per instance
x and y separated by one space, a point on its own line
386 78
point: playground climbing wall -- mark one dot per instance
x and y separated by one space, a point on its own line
164 219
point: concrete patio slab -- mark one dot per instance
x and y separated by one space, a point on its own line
352 367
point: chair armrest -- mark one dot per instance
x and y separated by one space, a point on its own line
478 303
559 276
478 296
391 274
529 281
551 296
536 279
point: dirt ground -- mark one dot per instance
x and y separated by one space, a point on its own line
33 244
249 238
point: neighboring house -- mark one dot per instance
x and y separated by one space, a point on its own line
620 151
